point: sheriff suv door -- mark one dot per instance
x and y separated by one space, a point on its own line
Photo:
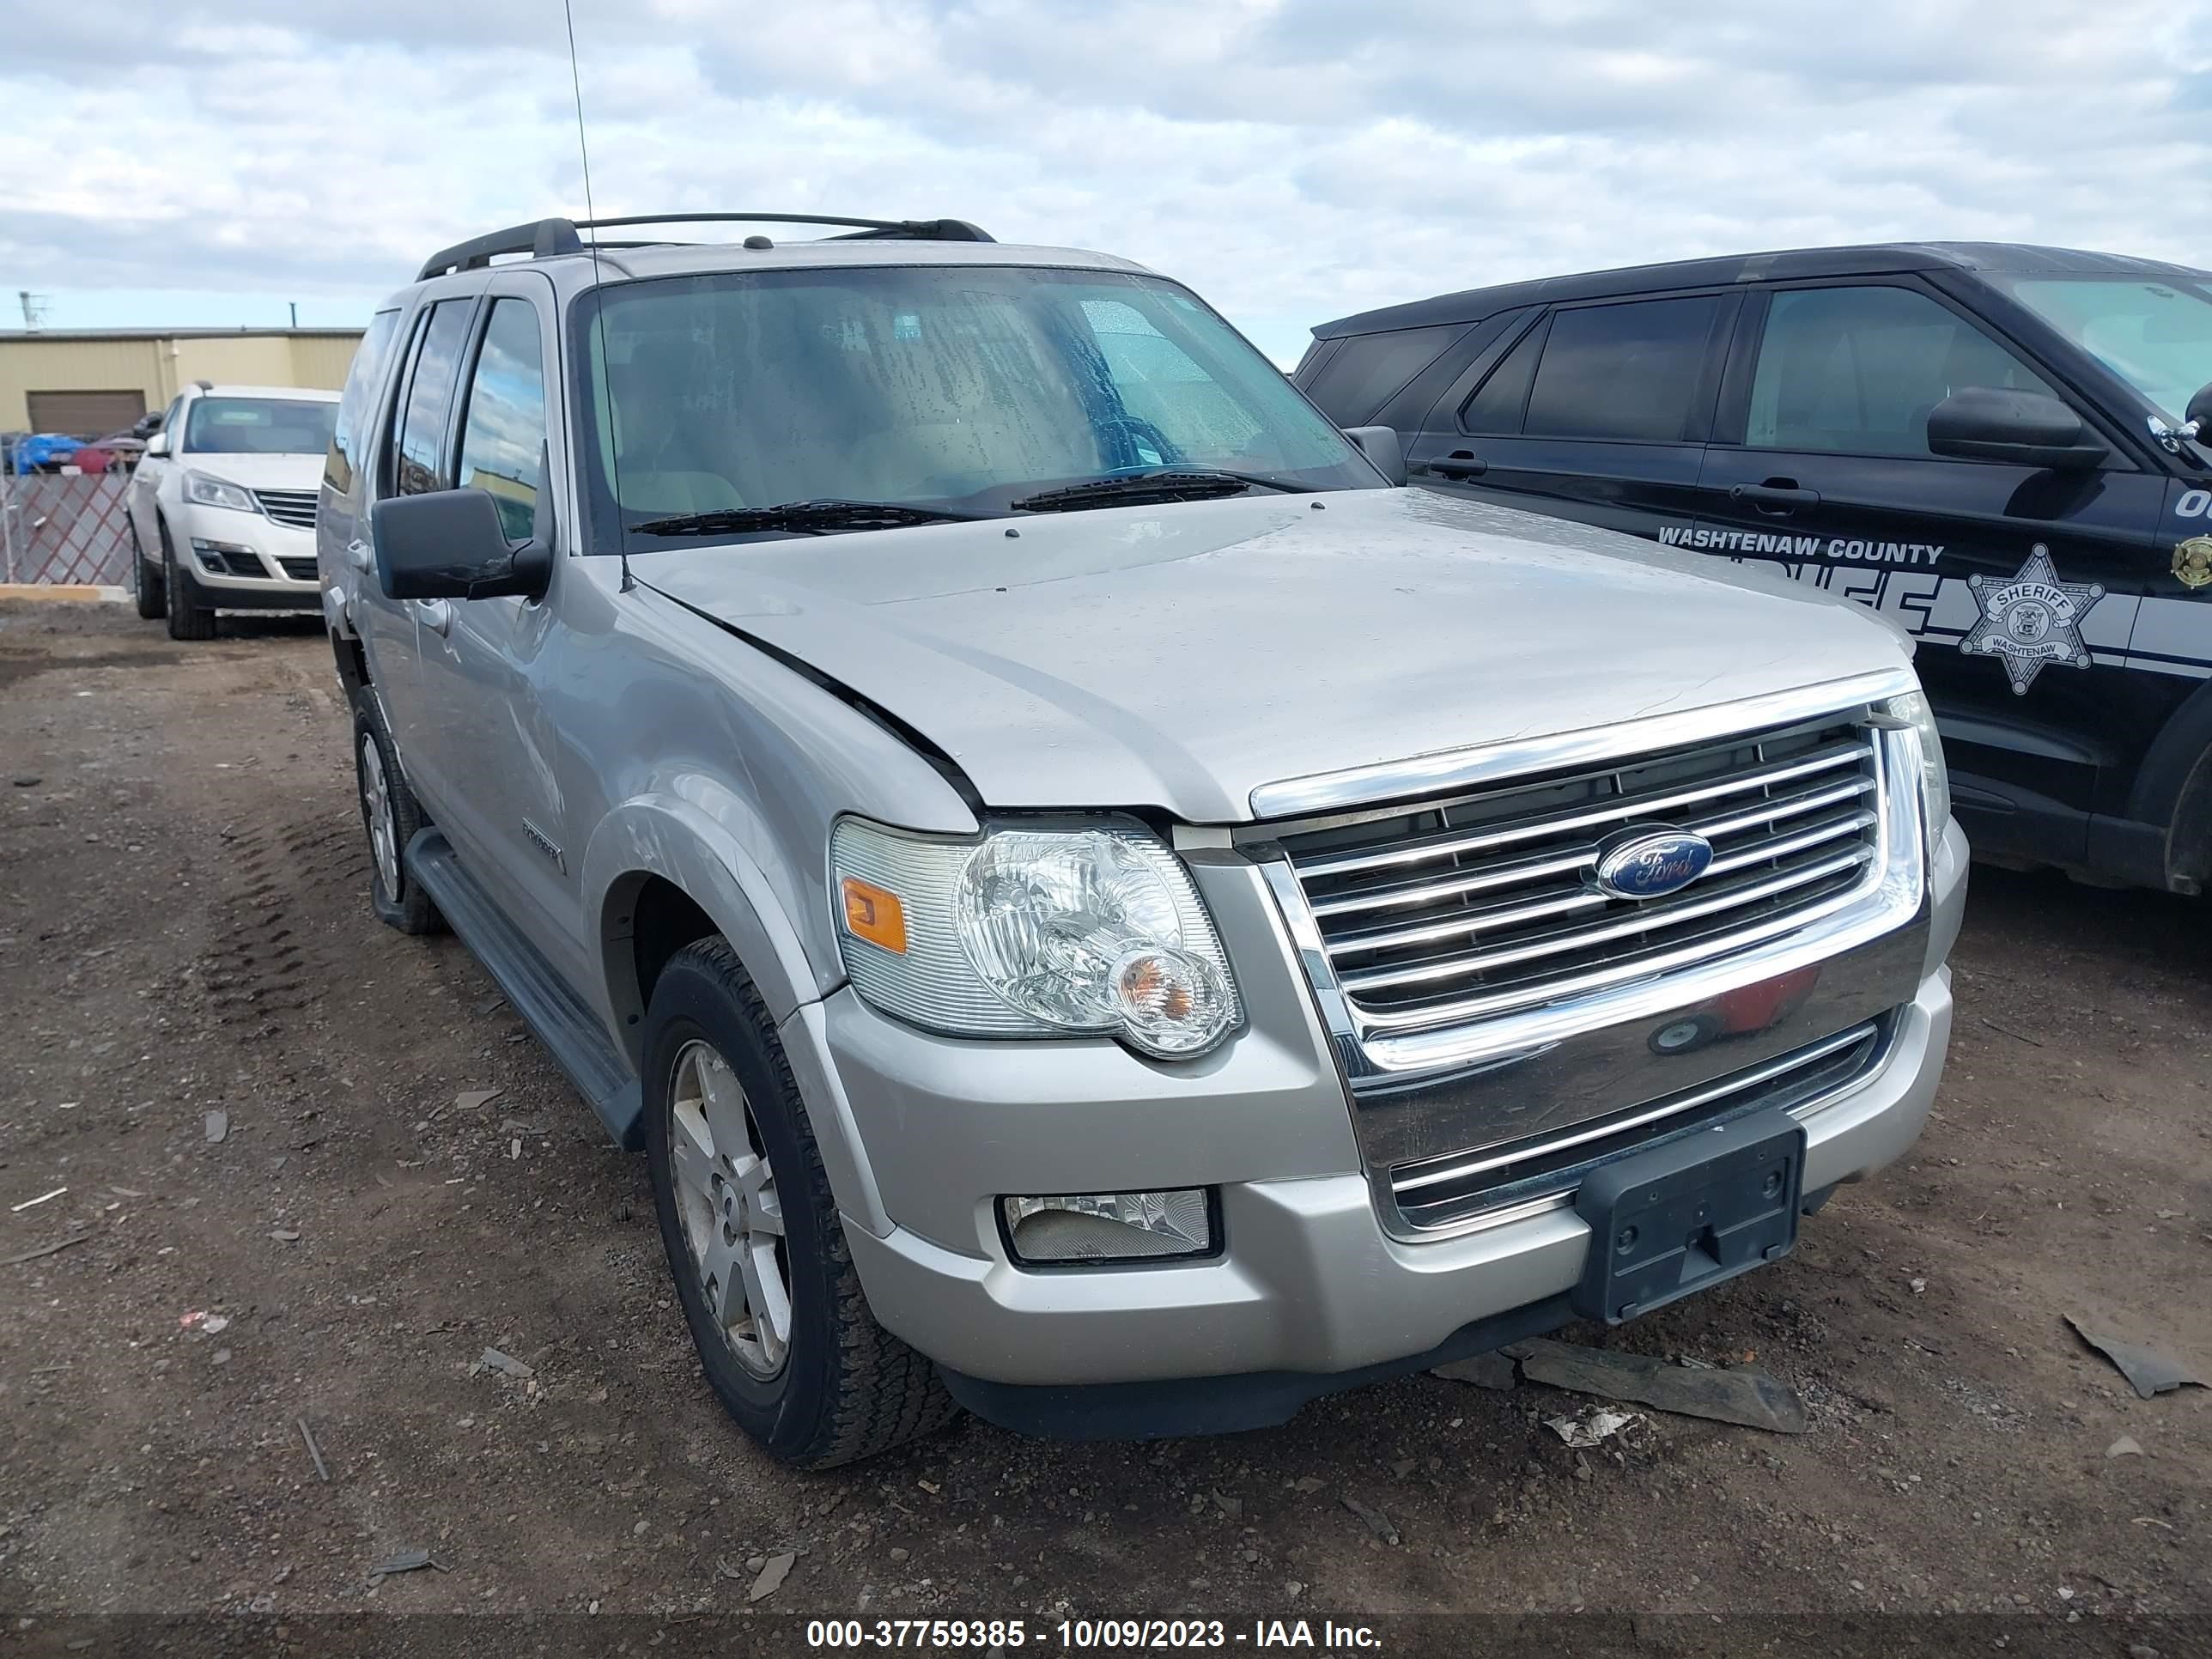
2021 583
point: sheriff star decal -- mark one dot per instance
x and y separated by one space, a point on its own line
2032 621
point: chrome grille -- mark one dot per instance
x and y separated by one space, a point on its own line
296 508
1484 904
1517 1177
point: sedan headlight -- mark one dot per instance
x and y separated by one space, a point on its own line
202 490
1912 710
1034 932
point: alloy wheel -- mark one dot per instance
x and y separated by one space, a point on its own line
376 798
732 1217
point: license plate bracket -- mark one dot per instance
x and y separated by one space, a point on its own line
1683 1217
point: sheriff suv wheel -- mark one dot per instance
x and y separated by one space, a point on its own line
390 815
767 1285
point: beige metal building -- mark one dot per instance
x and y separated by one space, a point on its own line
88 382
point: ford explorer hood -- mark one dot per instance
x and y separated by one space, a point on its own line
1182 657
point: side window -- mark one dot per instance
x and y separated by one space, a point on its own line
1625 371
1857 370
1372 368
503 444
1496 403
419 435
362 382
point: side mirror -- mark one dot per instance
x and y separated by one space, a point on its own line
2028 428
450 544
1382 446
2200 410
158 445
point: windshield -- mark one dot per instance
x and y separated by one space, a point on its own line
259 426
961 389
2157 336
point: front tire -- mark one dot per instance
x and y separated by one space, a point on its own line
189 619
149 588
783 1327
390 815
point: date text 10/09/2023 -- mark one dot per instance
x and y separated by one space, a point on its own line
1004 1635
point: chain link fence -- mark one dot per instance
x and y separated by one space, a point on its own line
59 529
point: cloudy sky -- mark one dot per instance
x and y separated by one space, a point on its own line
1294 160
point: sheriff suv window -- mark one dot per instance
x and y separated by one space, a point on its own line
1857 370
1628 372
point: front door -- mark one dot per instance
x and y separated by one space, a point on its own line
2020 583
1597 412
485 730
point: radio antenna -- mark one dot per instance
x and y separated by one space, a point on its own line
607 395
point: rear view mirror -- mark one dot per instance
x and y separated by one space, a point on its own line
2028 428
1382 446
2200 410
450 544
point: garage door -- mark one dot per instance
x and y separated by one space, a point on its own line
84 414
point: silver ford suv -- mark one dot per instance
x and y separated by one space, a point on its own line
1098 904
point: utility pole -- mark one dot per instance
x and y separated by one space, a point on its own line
295 313
34 308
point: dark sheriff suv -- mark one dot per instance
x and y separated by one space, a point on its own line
2002 449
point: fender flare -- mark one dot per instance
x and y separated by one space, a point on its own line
677 840
664 835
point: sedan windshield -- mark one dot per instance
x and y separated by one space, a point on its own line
955 390
2157 336
260 426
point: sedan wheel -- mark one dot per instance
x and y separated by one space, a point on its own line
732 1217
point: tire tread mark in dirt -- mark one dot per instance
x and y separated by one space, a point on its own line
260 968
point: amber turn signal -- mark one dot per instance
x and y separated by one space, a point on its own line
874 915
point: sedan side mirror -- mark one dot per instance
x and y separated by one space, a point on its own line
1382 446
158 445
451 544
2028 428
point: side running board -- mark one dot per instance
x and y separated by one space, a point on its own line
563 1022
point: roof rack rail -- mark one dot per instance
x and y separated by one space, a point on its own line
547 238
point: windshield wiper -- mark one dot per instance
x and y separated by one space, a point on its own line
1175 483
811 516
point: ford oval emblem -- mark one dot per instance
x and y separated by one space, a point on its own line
1648 861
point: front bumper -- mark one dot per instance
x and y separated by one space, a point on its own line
1309 1291
244 561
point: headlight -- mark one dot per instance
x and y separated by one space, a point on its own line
1934 778
203 491
1034 932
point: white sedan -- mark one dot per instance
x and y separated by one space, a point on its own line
222 506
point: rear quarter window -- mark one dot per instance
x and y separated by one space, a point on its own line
1372 368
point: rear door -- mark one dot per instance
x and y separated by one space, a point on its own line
1597 412
2021 583
415 455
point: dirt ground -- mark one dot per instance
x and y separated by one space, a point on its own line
184 934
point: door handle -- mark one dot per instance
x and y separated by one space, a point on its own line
1460 464
359 555
436 615
1776 496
